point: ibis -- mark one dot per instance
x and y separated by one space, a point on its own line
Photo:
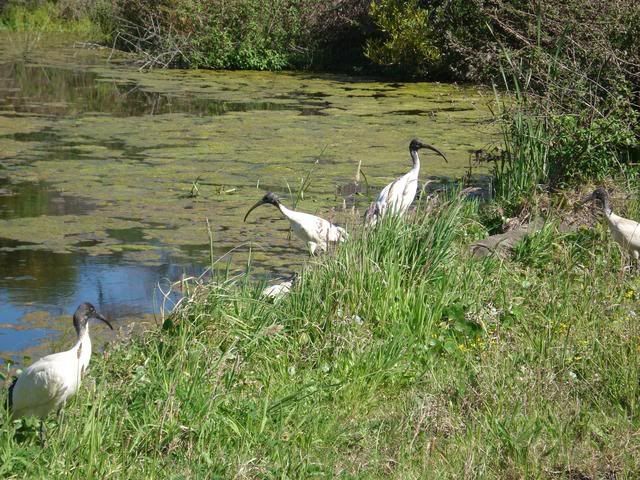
46 385
624 231
277 291
316 232
396 197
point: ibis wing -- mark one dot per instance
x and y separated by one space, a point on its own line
629 228
39 389
328 232
278 290
382 202
10 393
378 208
315 231
398 195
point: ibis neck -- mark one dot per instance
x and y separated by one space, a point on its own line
415 159
606 206
83 334
284 210
82 350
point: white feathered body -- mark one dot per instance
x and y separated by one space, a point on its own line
626 232
316 232
278 290
397 197
47 384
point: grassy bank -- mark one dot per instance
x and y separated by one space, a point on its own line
48 17
400 356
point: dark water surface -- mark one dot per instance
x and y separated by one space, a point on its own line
113 181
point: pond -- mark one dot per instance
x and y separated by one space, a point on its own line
114 181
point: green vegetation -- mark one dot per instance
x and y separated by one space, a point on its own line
248 34
407 38
523 166
571 115
399 356
572 66
443 39
48 17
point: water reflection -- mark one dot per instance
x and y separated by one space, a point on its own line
55 91
29 199
37 286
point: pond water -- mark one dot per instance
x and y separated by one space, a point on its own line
113 180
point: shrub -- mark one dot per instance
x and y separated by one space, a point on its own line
585 150
575 97
236 34
406 40
47 16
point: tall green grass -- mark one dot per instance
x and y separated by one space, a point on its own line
46 18
523 165
523 169
397 356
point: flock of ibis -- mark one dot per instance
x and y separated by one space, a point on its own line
394 199
46 385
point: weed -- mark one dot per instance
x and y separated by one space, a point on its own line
195 188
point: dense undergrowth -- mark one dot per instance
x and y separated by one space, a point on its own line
463 40
48 17
398 356
563 124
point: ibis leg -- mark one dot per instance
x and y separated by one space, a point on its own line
42 433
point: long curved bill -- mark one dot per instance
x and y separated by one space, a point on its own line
97 316
431 147
253 208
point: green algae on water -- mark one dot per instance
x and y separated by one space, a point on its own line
131 144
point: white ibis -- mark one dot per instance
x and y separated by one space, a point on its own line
47 384
396 197
317 232
625 231
277 291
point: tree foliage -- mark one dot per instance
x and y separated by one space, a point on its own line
406 39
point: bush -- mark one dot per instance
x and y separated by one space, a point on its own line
236 34
546 146
575 96
406 41
47 16
583 150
